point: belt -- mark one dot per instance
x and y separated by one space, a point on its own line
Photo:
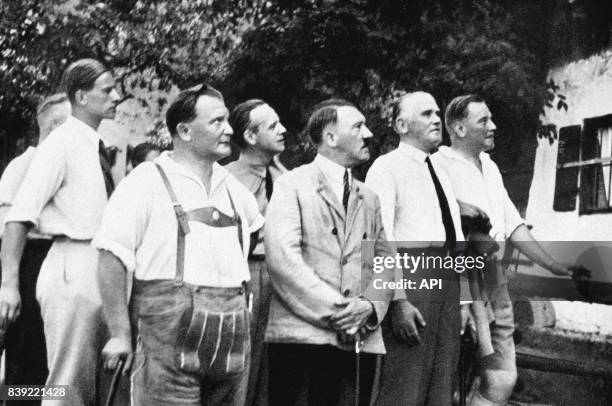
65 238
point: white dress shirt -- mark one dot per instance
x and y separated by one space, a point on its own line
334 173
482 189
63 191
140 227
409 203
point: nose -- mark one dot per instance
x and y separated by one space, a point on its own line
281 129
227 128
435 118
492 125
115 95
366 133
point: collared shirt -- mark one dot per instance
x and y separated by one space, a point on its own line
140 227
254 178
482 189
63 191
408 199
334 173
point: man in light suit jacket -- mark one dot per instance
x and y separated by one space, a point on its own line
324 306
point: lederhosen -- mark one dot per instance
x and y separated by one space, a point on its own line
207 326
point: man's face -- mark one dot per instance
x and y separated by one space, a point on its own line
268 130
352 135
479 128
210 131
420 117
101 100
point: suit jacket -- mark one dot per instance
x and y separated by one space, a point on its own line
313 252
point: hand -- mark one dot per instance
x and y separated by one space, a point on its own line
467 321
115 349
352 316
469 210
560 269
406 320
10 305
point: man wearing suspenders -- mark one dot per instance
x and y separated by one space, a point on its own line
182 224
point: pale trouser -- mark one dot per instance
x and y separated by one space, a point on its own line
75 332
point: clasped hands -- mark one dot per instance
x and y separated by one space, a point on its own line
350 319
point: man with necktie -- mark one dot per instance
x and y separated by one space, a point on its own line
260 137
324 307
420 213
63 195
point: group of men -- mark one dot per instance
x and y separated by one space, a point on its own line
173 276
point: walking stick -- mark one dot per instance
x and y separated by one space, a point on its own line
357 368
114 382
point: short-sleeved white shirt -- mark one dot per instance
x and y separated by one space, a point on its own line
140 227
63 192
482 189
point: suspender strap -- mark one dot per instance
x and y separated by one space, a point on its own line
182 229
236 219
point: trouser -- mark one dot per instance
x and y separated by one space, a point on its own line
26 357
423 374
256 387
318 375
75 331
497 373
192 344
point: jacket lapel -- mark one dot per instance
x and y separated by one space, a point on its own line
328 195
354 205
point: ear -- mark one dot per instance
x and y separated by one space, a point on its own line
250 137
80 97
459 129
401 126
330 138
183 131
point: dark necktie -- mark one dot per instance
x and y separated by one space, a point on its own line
447 219
269 184
106 168
345 194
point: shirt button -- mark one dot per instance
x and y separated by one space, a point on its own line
334 231
346 292
344 261
365 235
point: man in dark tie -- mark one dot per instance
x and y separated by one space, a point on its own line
260 137
63 195
323 306
420 212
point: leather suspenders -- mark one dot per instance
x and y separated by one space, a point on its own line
207 215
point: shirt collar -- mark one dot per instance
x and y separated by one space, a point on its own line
256 170
84 129
412 152
166 161
332 171
450 153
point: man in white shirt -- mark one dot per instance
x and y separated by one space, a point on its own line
476 181
419 211
260 137
182 224
63 195
324 303
26 357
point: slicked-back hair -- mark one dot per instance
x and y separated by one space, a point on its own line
240 120
49 102
457 109
182 109
81 75
323 114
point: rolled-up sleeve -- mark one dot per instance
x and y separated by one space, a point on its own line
125 220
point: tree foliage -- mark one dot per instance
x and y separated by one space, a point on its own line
367 51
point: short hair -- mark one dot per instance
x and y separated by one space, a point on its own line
49 102
457 109
139 154
323 114
240 120
182 108
81 75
